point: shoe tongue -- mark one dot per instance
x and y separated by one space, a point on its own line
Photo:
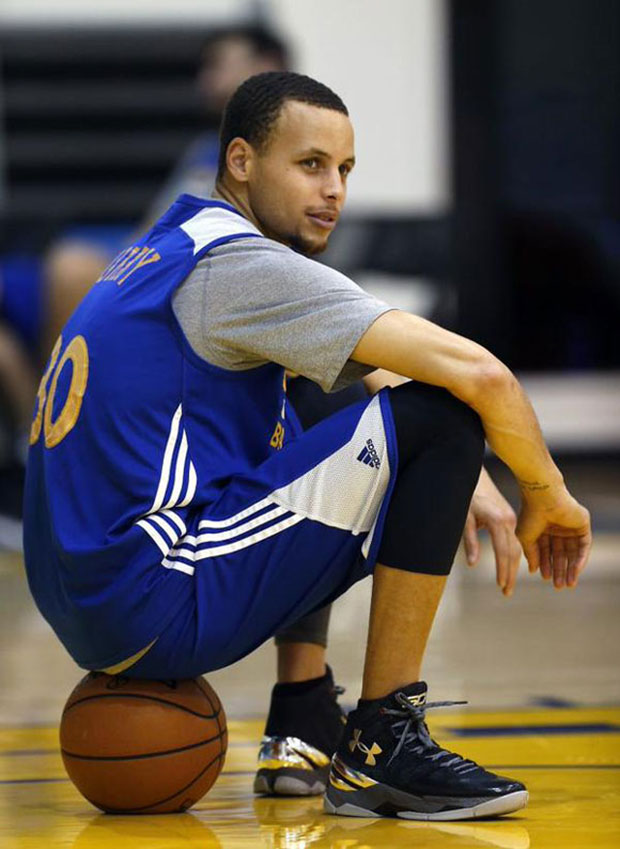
414 693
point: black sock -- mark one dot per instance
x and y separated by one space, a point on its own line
299 688
307 710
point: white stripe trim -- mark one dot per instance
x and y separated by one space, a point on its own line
171 531
240 529
179 472
180 567
224 523
216 223
178 521
164 477
191 486
157 538
218 550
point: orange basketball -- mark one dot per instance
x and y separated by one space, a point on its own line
143 747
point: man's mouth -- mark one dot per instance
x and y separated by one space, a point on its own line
325 219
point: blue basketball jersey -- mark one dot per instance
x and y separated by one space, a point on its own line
132 430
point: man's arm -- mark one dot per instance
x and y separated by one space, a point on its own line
553 528
418 349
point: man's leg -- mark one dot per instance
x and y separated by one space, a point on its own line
440 444
387 763
403 607
302 648
305 721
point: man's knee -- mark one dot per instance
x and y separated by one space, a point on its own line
440 445
425 415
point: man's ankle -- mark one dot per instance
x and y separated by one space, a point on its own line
300 662
413 687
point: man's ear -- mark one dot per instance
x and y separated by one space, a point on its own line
239 159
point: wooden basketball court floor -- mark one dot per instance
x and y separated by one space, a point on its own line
540 673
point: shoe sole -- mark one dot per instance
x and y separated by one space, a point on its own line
498 806
290 782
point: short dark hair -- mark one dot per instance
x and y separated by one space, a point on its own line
264 42
254 108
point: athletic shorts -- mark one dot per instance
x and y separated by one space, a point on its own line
281 541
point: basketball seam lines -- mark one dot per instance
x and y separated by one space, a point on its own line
208 698
145 698
140 757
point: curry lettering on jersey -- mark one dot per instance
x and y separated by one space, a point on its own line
128 262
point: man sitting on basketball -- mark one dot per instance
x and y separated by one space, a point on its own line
176 516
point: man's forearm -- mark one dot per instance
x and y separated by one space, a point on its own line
418 349
513 433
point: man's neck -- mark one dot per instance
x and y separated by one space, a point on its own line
237 199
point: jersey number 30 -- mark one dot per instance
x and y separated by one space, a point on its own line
55 430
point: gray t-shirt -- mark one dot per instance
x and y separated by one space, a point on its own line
255 301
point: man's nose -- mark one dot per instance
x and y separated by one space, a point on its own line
333 187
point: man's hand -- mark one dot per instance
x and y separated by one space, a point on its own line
489 509
555 533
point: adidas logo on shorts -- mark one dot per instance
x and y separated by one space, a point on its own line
368 455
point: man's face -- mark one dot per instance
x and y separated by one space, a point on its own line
297 184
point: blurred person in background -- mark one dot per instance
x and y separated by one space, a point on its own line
20 311
18 386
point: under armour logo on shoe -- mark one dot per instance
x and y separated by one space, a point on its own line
417 700
356 743
368 455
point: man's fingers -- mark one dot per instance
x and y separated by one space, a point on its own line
572 550
560 561
585 544
556 540
530 549
544 550
514 561
578 564
471 541
501 550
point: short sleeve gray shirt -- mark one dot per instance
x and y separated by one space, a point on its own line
254 301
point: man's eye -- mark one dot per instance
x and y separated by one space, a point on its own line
345 170
312 164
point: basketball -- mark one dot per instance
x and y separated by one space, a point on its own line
143 747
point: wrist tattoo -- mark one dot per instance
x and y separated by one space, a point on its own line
533 486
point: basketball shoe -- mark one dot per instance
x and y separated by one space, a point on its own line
303 729
387 764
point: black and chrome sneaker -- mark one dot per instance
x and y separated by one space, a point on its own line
387 764
303 729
